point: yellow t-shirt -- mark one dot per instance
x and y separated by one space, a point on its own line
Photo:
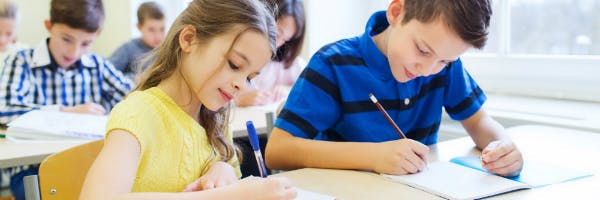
174 149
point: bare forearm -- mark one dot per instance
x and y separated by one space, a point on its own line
483 129
285 151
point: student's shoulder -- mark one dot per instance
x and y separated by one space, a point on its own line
92 59
20 57
138 103
344 46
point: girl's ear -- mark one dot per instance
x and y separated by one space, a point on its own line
395 12
186 38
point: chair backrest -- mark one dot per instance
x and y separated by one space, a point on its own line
61 175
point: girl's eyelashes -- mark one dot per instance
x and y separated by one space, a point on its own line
233 66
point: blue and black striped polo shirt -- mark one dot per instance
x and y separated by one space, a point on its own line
330 100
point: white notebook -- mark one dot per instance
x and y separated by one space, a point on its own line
453 181
54 125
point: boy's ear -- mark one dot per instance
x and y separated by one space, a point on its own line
48 25
139 26
187 37
395 12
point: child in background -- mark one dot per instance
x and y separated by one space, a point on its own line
8 28
278 76
129 56
60 73
408 58
169 138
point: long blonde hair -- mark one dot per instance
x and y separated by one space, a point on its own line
210 19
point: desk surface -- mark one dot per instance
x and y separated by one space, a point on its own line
566 147
16 154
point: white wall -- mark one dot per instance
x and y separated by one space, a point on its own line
116 25
332 20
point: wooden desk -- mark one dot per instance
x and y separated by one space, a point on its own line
17 154
566 147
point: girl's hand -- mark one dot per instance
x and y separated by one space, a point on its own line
220 174
398 157
280 92
270 188
254 98
88 108
502 157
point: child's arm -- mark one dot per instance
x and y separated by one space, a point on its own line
499 153
285 151
113 173
17 88
254 97
121 58
115 85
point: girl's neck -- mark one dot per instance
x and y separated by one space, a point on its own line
176 88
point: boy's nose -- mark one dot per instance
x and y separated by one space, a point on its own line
73 51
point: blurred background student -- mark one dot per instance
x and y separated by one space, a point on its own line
151 23
8 29
278 76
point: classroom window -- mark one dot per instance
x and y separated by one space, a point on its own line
542 48
548 27
555 27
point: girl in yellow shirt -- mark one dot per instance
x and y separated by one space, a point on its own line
168 138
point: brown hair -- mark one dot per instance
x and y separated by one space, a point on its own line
470 19
149 10
288 52
210 19
87 15
8 9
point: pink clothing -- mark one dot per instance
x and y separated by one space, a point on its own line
274 74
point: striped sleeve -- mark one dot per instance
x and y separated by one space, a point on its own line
314 102
16 87
463 97
115 85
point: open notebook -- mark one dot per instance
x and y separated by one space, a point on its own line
453 181
54 125
464 178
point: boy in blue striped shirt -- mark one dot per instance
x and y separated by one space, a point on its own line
60 73
409 58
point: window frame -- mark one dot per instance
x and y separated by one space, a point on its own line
570 77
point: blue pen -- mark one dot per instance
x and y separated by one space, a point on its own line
253 137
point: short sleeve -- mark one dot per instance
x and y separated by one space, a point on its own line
128 116
462 96
313 104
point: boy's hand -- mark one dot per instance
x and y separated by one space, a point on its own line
254 98
88 108
502 157
220 174
400 157
265 188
